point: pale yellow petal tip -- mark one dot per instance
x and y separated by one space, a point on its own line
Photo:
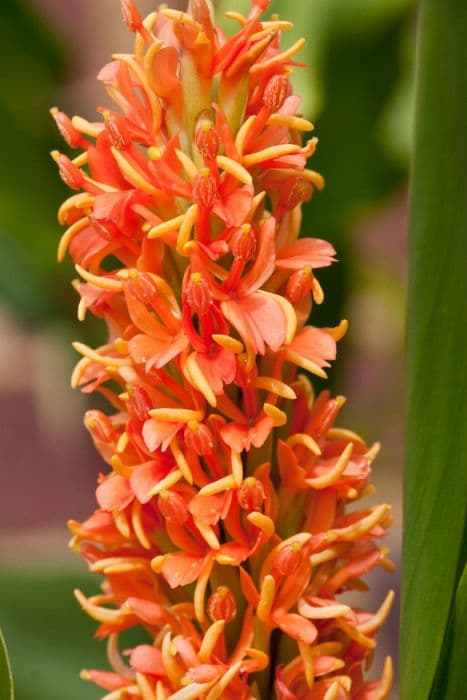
85 675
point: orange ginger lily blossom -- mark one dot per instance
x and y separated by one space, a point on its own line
222 529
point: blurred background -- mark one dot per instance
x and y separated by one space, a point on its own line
358 90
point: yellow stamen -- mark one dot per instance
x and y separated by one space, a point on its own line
362 526
332 475
277 416
226 483
200 591
186 227
237 467
68 235
182 464
133 176
233 168
270 153
275 386
137 524
261 521
373 451
321 613
121 523
192 691
268 591
106 360
82 309
380 616
226 679
176 415
121 693
105 615
290 122
82 200
145 687
305 441
332 692
307 658
207 533
281 57
289 314
236 16
228 343
166 483
304 362
242 133
210 639
172 668
187 164
355 634
166 227
198 380
87 128
181 18
315 178
81 160
106 283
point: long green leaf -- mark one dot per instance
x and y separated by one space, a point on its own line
6 678
435 483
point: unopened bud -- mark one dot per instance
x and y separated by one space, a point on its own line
275 92
207 139
222 605
99 425
204 188
199 438
299 285
139 403
172 506
251 494
198 294
69 172
243 243
289 559
117 131
142 286
66 128
297 192
131 16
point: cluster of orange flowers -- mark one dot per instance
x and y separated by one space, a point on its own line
222 529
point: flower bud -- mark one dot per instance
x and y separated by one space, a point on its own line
69 172
299 285
199 438
204 189
68 132
139 403
117 131
275 92
99 425
172 506
222 605
289 559
243 243
142 286
296 192
198 294
251 494
131 16
207 139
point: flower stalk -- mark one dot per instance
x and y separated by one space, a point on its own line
223 530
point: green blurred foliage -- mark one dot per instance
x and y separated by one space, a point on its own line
32 60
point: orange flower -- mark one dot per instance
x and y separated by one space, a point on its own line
222 525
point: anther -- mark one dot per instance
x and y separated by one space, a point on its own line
142 286
299 285
139 403
99 425
199 438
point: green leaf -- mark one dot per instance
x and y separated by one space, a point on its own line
435 483
6 678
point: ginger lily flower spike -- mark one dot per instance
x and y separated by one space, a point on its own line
222 530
